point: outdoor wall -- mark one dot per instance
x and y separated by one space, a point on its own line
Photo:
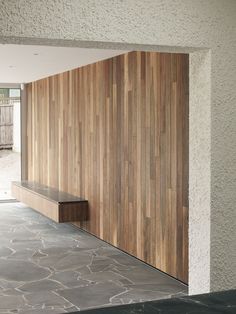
116 133
206 29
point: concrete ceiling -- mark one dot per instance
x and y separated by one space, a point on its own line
23 64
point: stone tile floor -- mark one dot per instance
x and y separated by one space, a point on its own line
56 268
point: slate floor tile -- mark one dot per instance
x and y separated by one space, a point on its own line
96 295
49 268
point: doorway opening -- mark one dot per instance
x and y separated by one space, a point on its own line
10 140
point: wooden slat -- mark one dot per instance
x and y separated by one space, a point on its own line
116 133
6 125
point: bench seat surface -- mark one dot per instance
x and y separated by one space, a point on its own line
48 192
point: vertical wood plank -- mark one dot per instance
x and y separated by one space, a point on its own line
116 133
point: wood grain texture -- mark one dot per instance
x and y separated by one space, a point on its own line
6 124
57 211
116 133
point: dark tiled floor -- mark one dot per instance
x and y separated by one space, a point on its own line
210 303
55 268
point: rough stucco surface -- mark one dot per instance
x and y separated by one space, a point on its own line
199 172
167 25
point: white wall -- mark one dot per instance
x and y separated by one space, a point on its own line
207 29
199 172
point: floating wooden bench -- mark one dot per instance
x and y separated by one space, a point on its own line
54 204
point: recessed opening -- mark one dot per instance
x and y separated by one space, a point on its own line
111 128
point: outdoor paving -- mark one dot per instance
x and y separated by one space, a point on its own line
49 268
9 171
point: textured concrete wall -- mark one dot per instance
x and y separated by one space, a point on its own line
168 25
199 171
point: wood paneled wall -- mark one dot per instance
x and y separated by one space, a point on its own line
116 133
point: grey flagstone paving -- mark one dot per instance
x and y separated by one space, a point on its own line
56 268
